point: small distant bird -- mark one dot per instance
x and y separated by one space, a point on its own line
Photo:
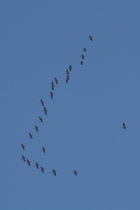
81 62
67 72
29 164
37 165
124 126
84 49
42 169
54 172
41 120
43 149
45 110
42 102
90 37
23 146
75 172
82 56
56 80
30 135
67 78
23 158
36 128
52 84
70 67
51 94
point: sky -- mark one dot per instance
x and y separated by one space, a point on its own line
83 129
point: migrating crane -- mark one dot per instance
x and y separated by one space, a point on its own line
29 164
75 172
43 149
42 102
81 62
51 94
23 146
90 37
124 126
42 169
67 78
54 172
82 56
67 72
70 67
84 49
37 165
56 80
36 128
23 158
41 120
45 110
52 85
31 136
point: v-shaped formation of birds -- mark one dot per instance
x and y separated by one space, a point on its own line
53 83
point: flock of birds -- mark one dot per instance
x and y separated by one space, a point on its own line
53 83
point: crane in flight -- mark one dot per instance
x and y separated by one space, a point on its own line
84 49
56 80
41 120
36 128
81 62
23 158
45 110
29 163
75 172
43 149
124 126
82 56
51 94
70 67
90 37
52 84
54 172
23 146
37 165
42 169
31 136
42 102
67 78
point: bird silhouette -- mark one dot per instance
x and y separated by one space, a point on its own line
23 146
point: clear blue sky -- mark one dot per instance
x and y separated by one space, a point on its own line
83 129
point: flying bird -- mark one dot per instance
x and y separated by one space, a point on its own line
43 149
67 72
90 37
41 120
67 78
36 128
56 80
23 146
37 165
45 110
42 102
84 49
70 67
75 172
42 169
54 172
31 136
52 84
29 164
81 62
51 94
23 158
82 56
124 126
